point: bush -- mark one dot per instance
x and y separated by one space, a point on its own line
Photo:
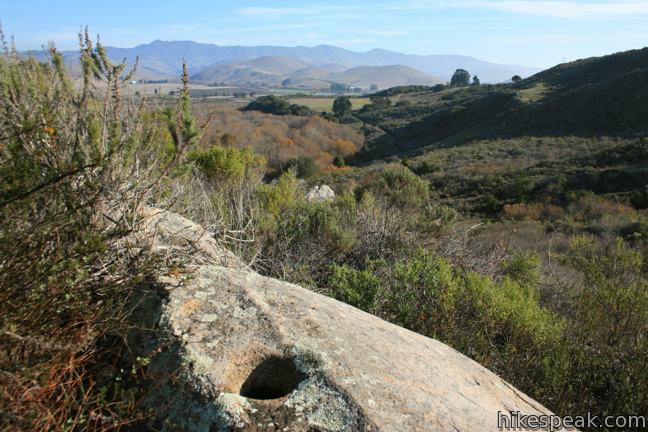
221 195
607 336
76 167
304 167
277 138
377 103
523 269
274 105
228 164
398 188
640 198
358 288
300 239
501 325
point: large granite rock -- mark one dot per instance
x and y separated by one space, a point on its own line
254 353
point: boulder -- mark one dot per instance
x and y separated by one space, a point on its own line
257 354
320 193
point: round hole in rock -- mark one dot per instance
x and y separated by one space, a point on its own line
273 378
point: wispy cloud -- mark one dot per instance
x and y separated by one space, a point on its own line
284 12
64 37
352 41
572 9
568 9
389 33
533 40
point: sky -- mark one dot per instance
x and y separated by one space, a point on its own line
538 33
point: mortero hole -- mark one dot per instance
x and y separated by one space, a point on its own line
275 377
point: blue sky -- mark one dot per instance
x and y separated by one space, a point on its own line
528 32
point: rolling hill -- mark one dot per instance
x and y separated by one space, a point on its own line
273 70
587 98
164 59
384 76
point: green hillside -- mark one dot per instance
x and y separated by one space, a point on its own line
605 96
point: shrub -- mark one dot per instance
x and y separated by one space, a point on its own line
501 325
358 288
76 166
274 105
398 188
228 164
277 138
304 167
521 211
607 336
377 103
640 198
220 193
403 103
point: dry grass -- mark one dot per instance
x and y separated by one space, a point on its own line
535 93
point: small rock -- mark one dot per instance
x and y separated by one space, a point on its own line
320 193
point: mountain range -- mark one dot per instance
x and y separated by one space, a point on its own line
294 72
307 66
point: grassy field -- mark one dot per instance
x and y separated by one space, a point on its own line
288 91
326 104
162 88
535 93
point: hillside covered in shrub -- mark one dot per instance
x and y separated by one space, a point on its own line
603 96
524 249
278 138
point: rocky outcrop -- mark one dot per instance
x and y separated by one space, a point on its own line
253 353
320 193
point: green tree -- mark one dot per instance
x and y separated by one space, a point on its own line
342 106
475 81
516 78
461 78
273 105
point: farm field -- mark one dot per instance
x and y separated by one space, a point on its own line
162 88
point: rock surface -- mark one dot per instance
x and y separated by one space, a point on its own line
260 354
320 193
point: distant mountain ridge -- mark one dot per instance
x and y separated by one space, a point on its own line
164 59
273 71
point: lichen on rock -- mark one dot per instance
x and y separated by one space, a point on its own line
257 354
